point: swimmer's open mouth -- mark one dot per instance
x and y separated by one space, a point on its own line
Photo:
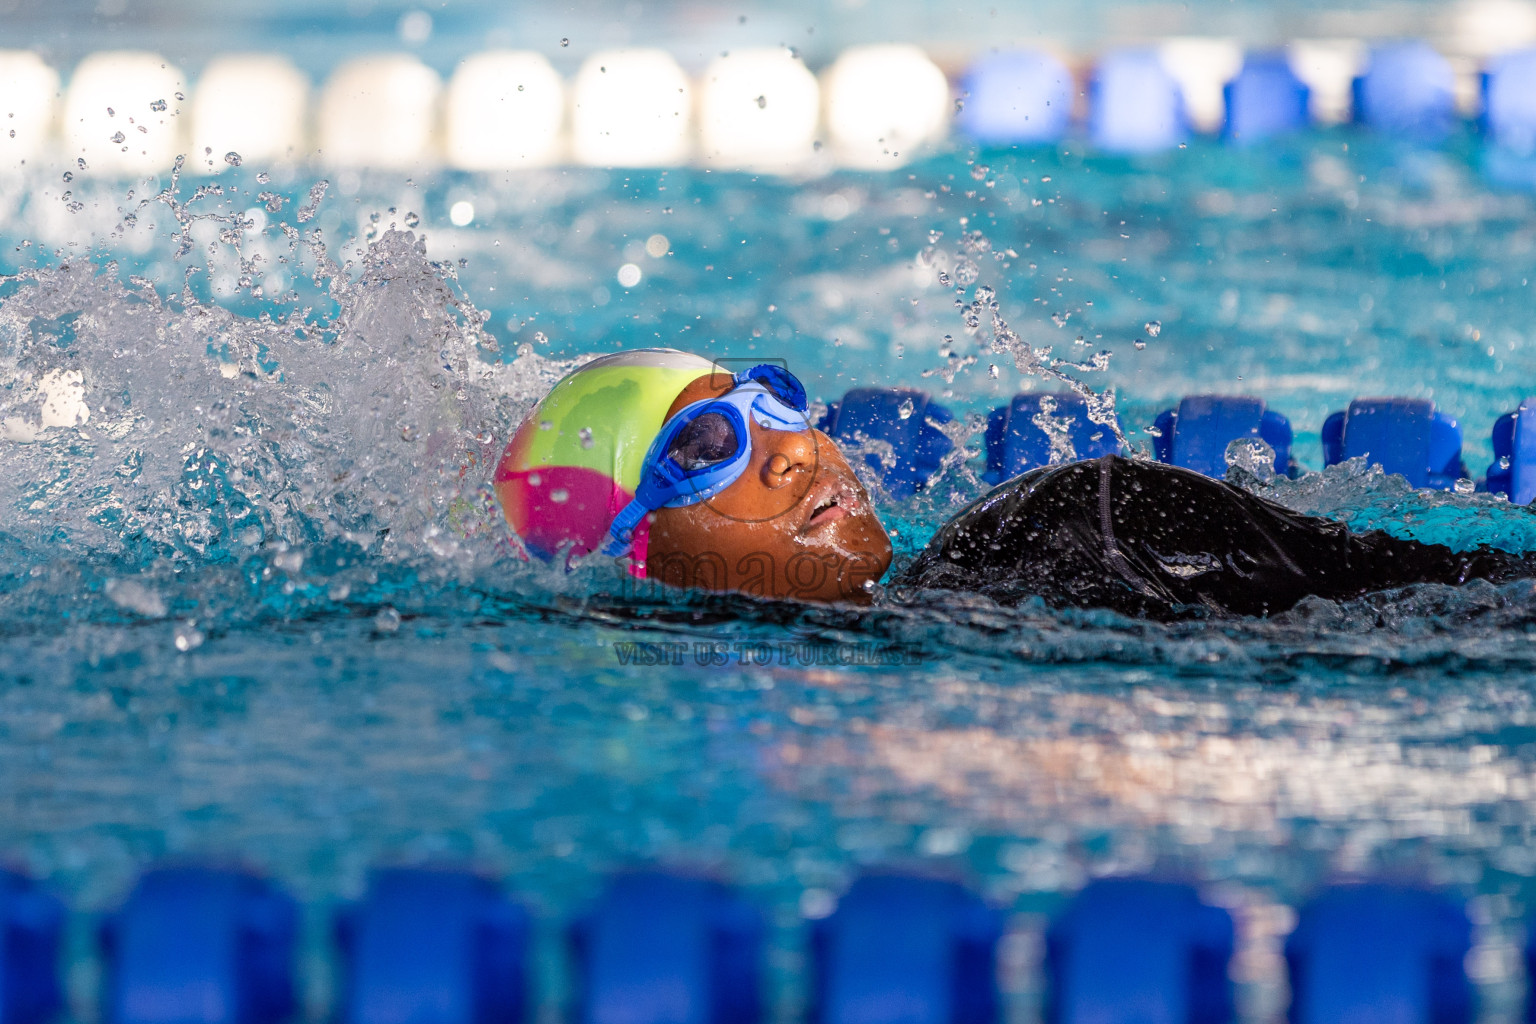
828 510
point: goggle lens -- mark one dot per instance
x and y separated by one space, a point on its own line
779 382
705 441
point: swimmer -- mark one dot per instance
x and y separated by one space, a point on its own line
697 475
706 478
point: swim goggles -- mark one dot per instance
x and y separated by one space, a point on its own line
706 447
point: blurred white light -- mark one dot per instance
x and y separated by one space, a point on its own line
61 397
504 109
251 104
29 91
1486 28
462 213
883 102
378 112
1329 68
1202 67
122 113
629 275
758 110
657 246
415 27
630 109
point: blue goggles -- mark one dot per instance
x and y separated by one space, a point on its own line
706 447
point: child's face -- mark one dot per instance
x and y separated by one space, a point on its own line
796 524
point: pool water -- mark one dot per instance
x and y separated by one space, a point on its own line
261 603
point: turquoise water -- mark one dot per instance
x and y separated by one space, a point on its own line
261 603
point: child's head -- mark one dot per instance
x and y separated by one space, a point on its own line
704 478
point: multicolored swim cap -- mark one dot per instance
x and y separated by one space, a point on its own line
575 461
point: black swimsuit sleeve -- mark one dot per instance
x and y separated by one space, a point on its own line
1156 541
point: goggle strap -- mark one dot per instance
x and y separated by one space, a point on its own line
622 533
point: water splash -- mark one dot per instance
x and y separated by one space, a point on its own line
146 426
982 318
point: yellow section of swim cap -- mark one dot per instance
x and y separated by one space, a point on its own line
604 415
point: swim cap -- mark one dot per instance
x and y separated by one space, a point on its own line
575 461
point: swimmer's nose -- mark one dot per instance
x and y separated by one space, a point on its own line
791 453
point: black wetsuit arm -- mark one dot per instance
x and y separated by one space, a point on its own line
1149 539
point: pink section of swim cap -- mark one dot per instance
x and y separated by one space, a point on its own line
554 506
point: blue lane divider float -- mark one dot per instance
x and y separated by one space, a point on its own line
1134 949
1265 100
1017 443
1513 471
31 928
667 949
902 949
1018 97
1196 434
1135 105
432 947
200 945
902 423
1407 90
1402 435
1380 954
1509 119
1509 102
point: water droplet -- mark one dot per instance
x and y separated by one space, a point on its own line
762 102
540 338
263 178
232 158
69 176
180 96
1153 328
559 495
979 171
565 42
111 112
944 278
906 409
118 136
411 220
158 105
586 437
188 636
1465 486
1140 344
387 621
992 371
